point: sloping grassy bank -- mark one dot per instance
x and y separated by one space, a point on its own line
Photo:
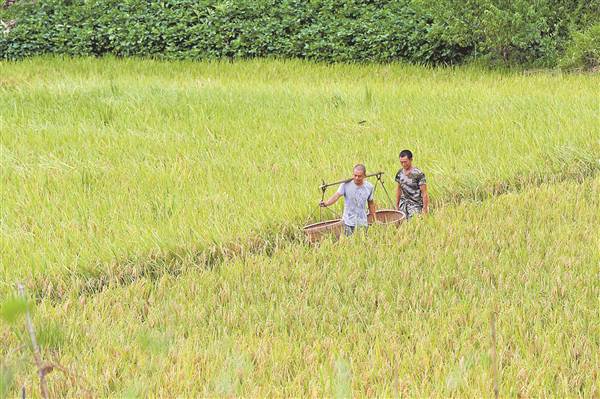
405 312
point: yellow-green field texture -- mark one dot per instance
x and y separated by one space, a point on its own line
153 211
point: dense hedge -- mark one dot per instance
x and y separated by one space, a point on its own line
421 31
584 50
513 31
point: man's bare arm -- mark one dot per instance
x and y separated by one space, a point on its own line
372 209
425 196
331 200
398 195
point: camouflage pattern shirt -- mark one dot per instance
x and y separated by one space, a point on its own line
411 187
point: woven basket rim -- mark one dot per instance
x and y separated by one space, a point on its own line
322 224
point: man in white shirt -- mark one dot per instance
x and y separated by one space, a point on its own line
358 194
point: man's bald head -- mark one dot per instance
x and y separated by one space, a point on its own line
359 173
360 167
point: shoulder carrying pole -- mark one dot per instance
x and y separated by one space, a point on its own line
324 186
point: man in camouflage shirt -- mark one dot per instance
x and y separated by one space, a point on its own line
411 193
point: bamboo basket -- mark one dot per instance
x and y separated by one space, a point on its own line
389 216
317 231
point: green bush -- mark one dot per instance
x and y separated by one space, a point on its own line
584 50
511 31
419 31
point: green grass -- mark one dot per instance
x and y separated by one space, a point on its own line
107 161
153 209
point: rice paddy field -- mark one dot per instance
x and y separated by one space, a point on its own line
153 211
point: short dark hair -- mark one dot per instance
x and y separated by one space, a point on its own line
361 167
406 153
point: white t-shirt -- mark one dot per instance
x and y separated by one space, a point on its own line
355 202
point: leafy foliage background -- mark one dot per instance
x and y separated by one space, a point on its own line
418 31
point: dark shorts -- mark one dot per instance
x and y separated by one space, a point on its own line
349 230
